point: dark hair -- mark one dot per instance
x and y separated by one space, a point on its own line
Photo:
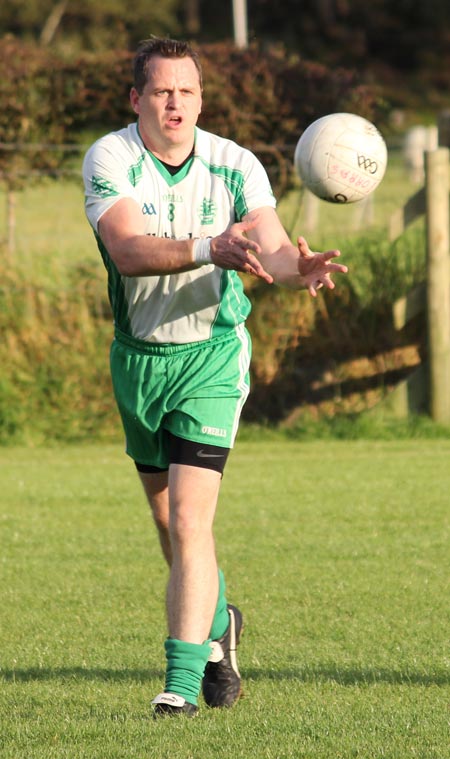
166 48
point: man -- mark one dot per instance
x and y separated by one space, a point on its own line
177 212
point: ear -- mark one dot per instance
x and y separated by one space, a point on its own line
134 99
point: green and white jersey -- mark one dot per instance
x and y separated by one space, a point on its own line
219 185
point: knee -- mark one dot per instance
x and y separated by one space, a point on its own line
161 519
187 528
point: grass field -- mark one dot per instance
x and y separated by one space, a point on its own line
337 553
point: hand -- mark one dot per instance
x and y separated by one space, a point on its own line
233 250
316 269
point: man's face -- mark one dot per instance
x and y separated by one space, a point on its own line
169 106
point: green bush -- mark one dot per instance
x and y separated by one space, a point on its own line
55 382
33 109
258 97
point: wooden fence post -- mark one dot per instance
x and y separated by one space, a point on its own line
438 281
444 129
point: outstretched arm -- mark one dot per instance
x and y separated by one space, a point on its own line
257 245
137 254
291 266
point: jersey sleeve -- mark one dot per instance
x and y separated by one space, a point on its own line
257 191
106 179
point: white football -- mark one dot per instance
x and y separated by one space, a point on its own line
341 158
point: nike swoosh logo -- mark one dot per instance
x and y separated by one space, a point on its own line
202 455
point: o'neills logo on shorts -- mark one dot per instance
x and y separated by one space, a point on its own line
216 431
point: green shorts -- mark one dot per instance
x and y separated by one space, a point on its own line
195 391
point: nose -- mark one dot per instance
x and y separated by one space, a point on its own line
174 99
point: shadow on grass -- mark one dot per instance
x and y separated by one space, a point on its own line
352 676
346 676
80 673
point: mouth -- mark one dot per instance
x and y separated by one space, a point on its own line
174 121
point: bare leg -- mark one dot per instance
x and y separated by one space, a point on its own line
157 491
193 585
184 524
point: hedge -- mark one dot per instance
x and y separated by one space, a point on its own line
255 96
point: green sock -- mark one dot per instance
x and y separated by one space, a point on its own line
186 664
221 618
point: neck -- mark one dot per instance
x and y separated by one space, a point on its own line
174 168
171 154
173 157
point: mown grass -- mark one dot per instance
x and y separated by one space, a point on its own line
51 231
337 552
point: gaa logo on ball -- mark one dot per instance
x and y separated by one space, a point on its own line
341 158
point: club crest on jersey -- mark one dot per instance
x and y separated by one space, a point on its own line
207 211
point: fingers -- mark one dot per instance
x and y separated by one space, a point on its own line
257 271
251 265
328 255
249 223
304 248
306 252
317 285
231 251
243 243
316 268
235 237
234 245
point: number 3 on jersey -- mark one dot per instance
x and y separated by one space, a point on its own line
171 212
